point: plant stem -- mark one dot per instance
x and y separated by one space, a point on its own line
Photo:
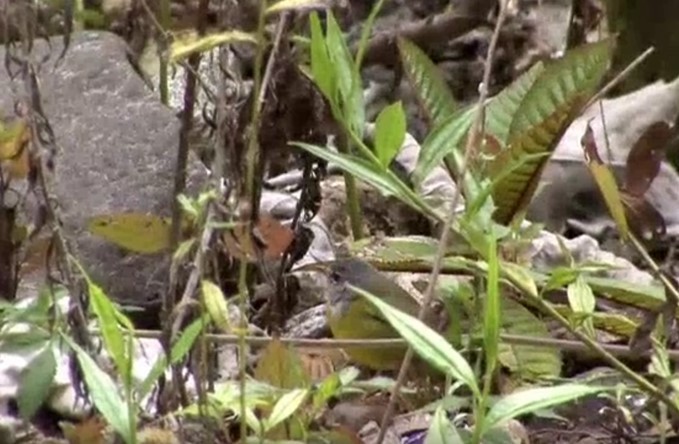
251 157
353 198
163 69
472 141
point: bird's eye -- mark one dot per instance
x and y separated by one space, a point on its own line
335 277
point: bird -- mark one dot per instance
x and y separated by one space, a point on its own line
351 316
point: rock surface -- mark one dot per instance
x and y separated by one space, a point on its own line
117 153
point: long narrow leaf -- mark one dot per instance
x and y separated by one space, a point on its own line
530 400
350 86
442 141
430 345
104 393
429 85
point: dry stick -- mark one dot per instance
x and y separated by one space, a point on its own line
168 309
472 141
624 73
251 157
533 341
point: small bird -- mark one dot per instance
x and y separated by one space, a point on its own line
351 316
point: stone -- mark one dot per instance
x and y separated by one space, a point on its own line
117 149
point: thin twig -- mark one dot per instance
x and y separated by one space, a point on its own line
190 93
622 351
624 73
472 142
249 195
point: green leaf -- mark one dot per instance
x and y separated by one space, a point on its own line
36 382
431 346
104 393
555 98
111 333
179 350
441 141
581 300
525 362
441 430
349 83
384 181
390 131
321 66
286 406
216 306
426 79
501 108
530 400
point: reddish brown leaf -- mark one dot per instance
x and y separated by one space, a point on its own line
644 219
643 162
269 239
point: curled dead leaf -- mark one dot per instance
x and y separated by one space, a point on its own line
268 239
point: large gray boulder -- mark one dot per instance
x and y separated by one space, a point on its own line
117 152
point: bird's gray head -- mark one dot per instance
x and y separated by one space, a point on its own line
347 271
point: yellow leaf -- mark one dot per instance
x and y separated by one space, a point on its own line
216 306
605 180
284 5
137 232
189 43
281 366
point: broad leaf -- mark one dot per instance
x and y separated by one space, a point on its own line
432 90
555 98
501 109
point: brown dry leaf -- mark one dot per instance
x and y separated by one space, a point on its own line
90 431
269 239
281 366
643 217
319 363
354 414
643 161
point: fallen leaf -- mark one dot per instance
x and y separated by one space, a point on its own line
136 232
269 239
90 431
645 157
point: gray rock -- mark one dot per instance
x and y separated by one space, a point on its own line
117 152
